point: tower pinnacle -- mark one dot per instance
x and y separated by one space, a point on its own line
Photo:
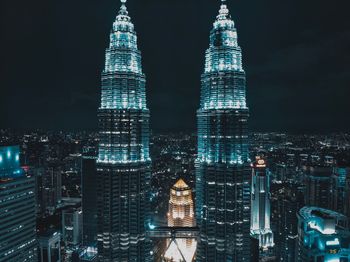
123 1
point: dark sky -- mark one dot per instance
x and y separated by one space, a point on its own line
296 55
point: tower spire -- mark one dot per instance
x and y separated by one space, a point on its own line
123 7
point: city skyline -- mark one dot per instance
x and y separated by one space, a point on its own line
140 182
67 44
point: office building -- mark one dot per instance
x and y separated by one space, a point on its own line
318 181
261 205
89 198
72 226
17 209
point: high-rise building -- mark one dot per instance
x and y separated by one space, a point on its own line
347 194
72 226
181 214
286 203
339 190
89 199
123 164
323 235
318 181
261 206
223 165
17 209
49 246
51 187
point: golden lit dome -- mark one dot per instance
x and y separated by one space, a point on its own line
180 184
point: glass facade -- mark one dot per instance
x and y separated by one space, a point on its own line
123 164
17 210
223 165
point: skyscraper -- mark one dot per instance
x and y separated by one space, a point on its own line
222 166
181 214
338 188
123 164
89 199
72 227
17 210
260 205
286 202
318 181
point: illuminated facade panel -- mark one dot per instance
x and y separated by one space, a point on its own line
123 164
223 165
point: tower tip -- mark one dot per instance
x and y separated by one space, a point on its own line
123 1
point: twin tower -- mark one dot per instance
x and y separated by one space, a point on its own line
222 166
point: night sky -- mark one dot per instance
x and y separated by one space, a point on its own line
296 54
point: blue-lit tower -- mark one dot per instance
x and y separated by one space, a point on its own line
260 226
223 167
123 164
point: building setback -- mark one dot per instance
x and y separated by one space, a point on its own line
223 167
123 164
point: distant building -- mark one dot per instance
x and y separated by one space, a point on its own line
49 246
261 206
51 186
347 198
286 203
89 199
223 169
72 226
318 181
323 235
339 189
181 214
17 209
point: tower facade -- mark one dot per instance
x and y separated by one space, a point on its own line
318 184
261 205
222 166
181 214
123 164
